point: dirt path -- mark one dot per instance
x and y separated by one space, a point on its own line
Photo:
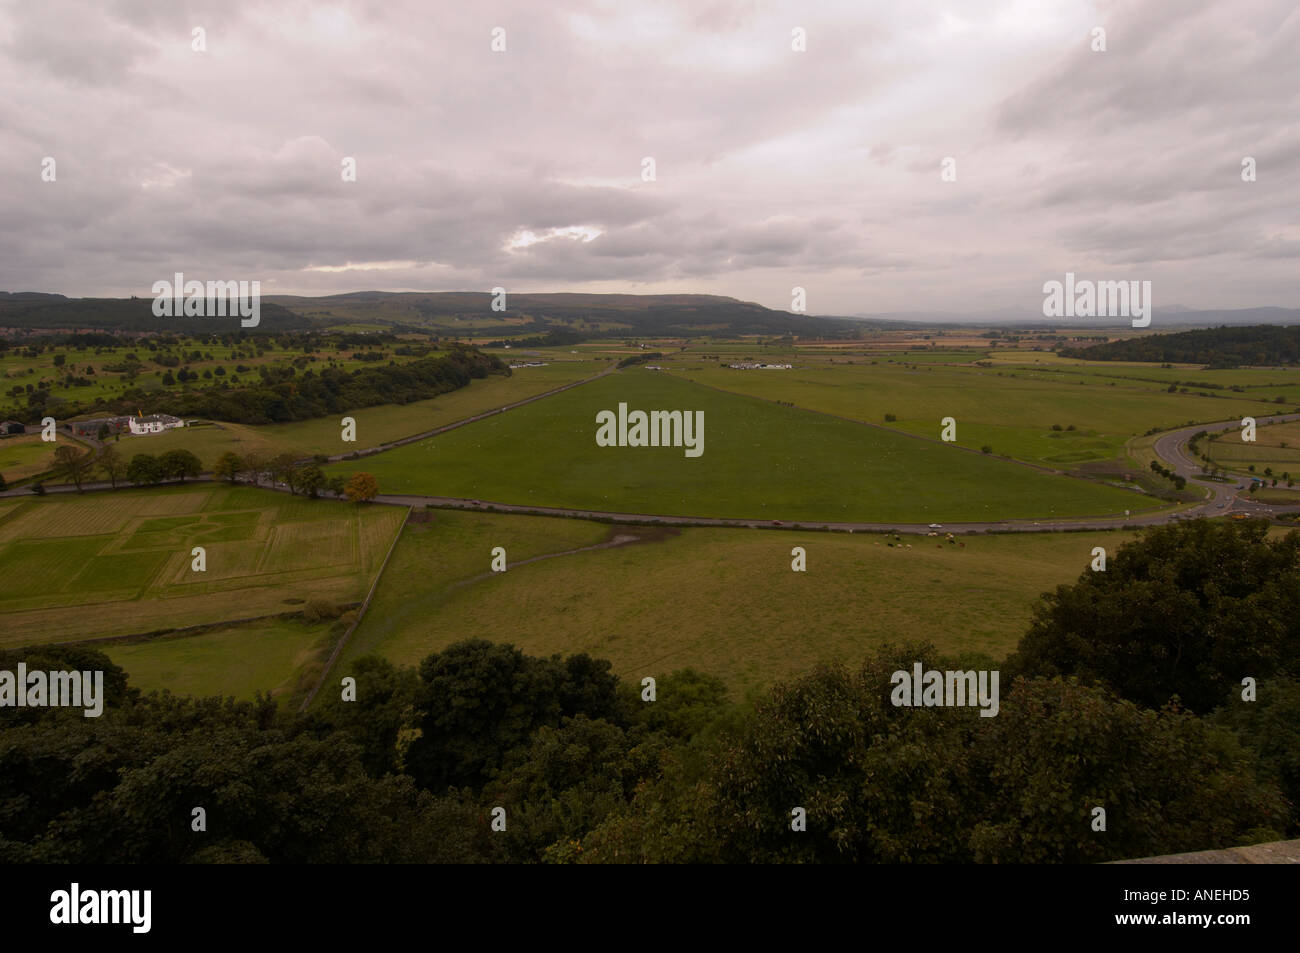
623 539
415 438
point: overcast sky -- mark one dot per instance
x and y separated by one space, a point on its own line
774 167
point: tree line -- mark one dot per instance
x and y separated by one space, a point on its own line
78 466
302 477
1215 347
282 394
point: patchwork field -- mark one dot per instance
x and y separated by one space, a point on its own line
107 564
760 460
722 600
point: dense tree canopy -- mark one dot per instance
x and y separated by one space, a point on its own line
282 394
1188 610
478 700
1217 347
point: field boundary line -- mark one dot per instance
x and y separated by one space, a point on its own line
361 614
1013 524
474 418
614 542
178 631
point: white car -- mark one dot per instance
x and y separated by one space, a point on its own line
936 526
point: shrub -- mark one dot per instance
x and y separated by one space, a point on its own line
318 610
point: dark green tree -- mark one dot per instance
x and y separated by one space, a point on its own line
228 467
1187 610
384 707
479 699
179 464
1270 726
144 469
310 479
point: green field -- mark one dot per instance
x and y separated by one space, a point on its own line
375 425
26 455
457 546
1008 409
1276 447
760 461
119 563
272 656
722 600
1277 495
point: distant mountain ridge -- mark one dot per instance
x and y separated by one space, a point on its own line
31 296
35 311
565 314
530 314
1168 315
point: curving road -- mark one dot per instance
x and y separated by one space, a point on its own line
1224 497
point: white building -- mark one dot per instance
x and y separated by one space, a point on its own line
154 423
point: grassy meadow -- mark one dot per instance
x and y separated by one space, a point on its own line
274 655
1276 447
1010 409
760 461
27 455
722 600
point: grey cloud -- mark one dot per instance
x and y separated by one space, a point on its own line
770 163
